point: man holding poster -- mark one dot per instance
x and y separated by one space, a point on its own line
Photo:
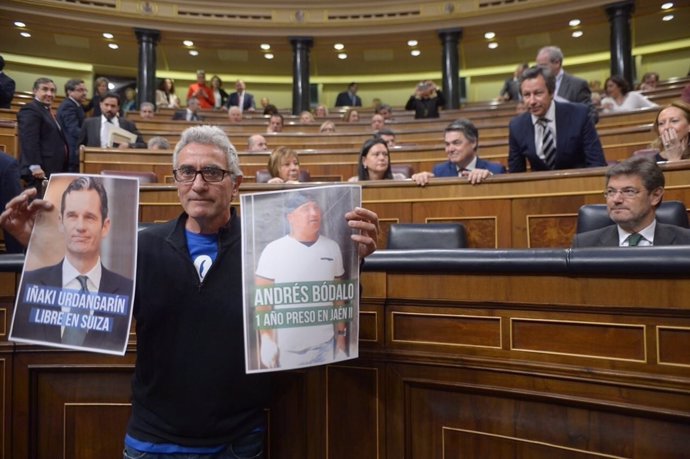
313 333
191 395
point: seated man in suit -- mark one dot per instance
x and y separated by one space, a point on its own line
634 189
191 113
461 138
96 130
551 135
84 223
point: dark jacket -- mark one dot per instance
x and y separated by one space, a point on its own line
608 236
577 141
7 87
42 142
190 387
427 107
71 117
90 134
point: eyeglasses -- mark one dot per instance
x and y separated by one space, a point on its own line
187 174
611 193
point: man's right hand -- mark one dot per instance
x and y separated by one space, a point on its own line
20 214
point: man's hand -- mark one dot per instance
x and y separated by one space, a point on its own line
476 176
20 214
421 178
269 352
367 222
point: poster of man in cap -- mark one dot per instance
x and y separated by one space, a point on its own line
301 277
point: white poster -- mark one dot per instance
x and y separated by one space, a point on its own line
77 285
301 277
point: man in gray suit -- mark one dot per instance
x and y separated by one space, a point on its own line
569 88
634 189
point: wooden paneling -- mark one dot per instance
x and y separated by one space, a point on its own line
451 365
59 397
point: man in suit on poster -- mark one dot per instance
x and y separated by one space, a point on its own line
95 130
634 189
84 222
571 141
44 148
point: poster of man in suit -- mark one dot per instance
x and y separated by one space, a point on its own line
77 286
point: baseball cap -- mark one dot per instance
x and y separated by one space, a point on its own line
294 200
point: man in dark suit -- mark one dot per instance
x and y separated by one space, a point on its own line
349 98
569 88
84 222
634 189
44 148
571 141
71 117
7 87
461 138
191 113
511 86
10 186
95 130
241 98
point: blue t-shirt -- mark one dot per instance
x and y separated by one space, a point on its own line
203 248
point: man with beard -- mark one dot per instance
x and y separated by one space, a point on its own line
96 130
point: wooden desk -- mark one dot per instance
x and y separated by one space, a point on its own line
452 364
534 209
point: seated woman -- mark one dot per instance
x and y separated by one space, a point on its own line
283 165
306 117
619 97
375 163
672 125
327 127
321 111
165 94
351 116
